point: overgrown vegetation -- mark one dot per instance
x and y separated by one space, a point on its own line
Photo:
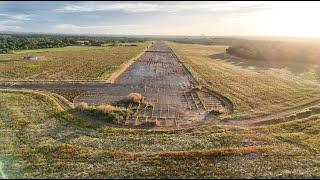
39 140
134 98
105 112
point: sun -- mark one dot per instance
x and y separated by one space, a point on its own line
290 19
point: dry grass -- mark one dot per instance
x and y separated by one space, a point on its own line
218 111
106 108
66 64
83 106
197 88
134 98
254 87
49 145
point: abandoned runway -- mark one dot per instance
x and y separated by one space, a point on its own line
170 96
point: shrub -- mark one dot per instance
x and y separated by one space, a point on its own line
83 106
218 111
304 114
134 98
112 117
197 88
106 108
315 110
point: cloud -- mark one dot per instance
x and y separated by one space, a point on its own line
21 17
129 7
162 7
94 27
4 27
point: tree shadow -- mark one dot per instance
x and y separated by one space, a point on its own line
295 67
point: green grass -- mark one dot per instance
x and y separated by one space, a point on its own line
69 63
40 140
255 87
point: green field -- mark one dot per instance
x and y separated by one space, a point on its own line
40 140
255 87
69 63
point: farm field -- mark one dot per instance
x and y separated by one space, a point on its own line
41 140
255 87
69 63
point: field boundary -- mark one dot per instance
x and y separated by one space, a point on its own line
222 98
53 101
124 67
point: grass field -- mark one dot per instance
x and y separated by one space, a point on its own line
255 87
38 139
69 63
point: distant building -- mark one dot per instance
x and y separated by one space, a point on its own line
4 51
31 58
83 42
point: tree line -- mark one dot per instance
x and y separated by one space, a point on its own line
39 41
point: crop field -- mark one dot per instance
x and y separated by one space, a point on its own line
69 63
41 140
255 87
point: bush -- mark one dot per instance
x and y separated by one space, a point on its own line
315 110
304 114
112 117
106 108
104 112
218 111
83 106
197 88
134 98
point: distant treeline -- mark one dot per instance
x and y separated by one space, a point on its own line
271 50
277 51
38 41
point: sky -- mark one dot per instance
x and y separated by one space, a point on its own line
240 18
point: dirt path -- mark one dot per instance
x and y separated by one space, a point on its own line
123 68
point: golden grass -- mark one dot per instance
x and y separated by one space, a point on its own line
83 106
65 64
38 141
254 88
106 108
193 153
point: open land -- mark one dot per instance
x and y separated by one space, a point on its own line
43 136
69 63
